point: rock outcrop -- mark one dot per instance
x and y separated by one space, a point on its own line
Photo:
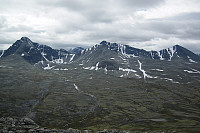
26 125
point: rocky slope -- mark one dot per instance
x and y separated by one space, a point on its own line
26 125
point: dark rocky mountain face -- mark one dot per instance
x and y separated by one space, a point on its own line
34 52
125 49
109 85
165 54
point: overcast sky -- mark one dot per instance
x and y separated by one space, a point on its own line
147 24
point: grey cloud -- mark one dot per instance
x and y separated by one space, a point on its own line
100 16
84 5
2 22
18 28
105 11
183 28
71 23
164 27
141 3
78 5
192 32
5 41
119 35
186 16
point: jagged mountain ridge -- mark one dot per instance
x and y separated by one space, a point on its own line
34 52
165 54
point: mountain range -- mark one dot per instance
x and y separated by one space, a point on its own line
110 85
126 60
34 52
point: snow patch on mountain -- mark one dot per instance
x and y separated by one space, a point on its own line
30 49
145 75
86 68
43 55
168 79
92 68
160 55
138 76
160 70
97 66
194 71
71 59
60 69
48 67
171 52
140 68
90 95
192 61
151 55
122 48
127 70
59 61
2 54
76 87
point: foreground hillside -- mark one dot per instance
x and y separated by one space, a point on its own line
102 89
84 99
